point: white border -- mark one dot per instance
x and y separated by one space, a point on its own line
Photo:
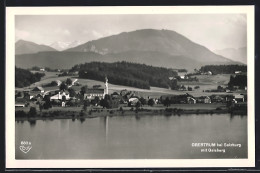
152 163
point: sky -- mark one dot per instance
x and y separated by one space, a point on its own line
214 31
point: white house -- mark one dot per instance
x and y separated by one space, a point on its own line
60 95
239 98
191 100
92 93
97 92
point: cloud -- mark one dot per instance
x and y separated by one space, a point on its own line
21 34
97 34
62 31
66 32
85 32
238 20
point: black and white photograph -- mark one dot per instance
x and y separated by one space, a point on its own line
165 85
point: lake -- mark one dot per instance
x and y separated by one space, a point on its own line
134 137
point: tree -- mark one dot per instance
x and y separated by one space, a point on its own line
32 112
40 107
173 84
47 103
72 92
96 100
25 77
143 101
63 86
83 90
220 88
63 98
183 87
69 81
53 83
86 104
167 102
104 103
151 102
138 105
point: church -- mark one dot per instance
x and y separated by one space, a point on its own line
96 92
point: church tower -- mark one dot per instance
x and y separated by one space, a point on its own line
106 85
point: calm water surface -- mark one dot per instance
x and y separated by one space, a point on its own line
132 137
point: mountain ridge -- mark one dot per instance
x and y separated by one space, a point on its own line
167 41
28 47
163 48
239 54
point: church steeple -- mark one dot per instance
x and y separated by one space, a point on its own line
106 85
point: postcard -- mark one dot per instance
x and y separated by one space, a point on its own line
130 87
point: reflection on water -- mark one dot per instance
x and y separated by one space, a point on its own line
132 137
32 123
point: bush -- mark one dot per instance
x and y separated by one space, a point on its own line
20 113
218 109
151 102
32 112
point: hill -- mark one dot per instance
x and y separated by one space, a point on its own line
65 60
127 74
162 48
27 47
25 78
165 41
239 54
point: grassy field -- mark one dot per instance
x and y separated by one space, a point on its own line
125 107
206 82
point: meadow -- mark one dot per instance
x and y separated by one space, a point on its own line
206 82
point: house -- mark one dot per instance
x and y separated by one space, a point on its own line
237 72
209 73
133 101
203 99
42 69
19 104
74 81
228 91
92 93
229 98
180 99
58 82
115 95
123 92
217 99
191 100
236 87
61 95
38 89
239 98
19 94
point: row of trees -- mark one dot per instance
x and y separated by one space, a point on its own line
223 69
25 78
126 73
237 80
36 68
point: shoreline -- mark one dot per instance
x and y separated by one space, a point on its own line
51 115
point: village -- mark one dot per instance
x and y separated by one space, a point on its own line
71 94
